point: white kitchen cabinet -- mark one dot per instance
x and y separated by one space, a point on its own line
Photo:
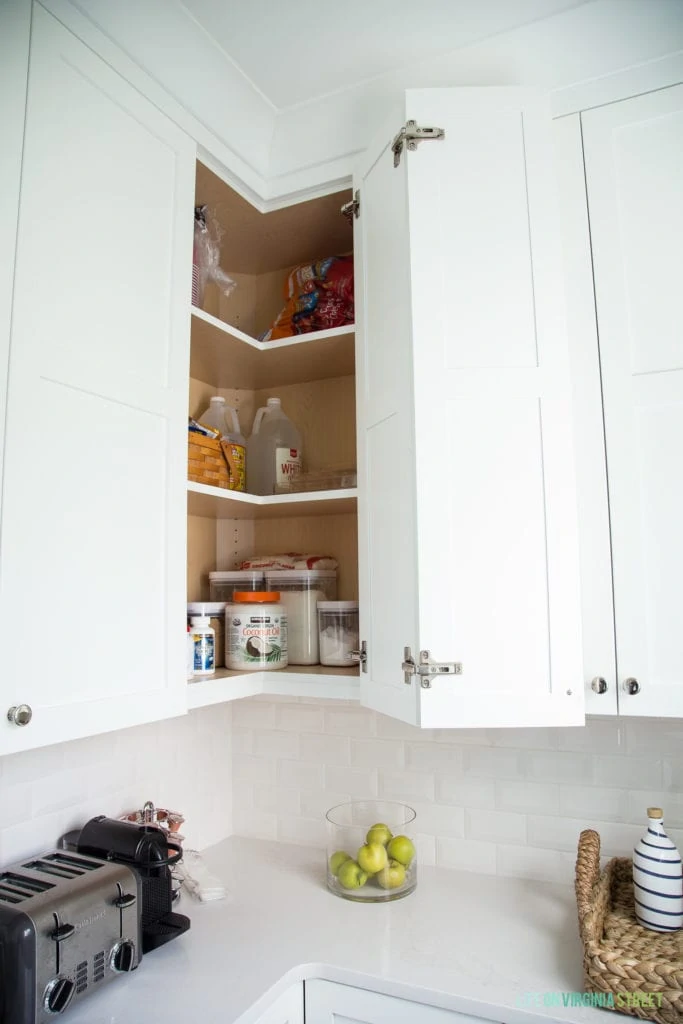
93 527
633 154
467 525
330 1003
288 1008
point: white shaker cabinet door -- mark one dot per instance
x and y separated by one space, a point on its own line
330 1003
93 531
634 171
466 480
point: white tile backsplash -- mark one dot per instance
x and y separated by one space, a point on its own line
511 802
492 801
184 764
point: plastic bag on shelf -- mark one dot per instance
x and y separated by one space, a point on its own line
206 256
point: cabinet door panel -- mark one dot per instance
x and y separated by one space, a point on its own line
330 1003
93 533
482 418
634 167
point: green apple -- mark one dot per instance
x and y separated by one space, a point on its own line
351 875
401 849
336 861
372 858
392 876
379 834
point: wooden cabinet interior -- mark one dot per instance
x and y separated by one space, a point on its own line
314 378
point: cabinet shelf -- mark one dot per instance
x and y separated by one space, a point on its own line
219 503
294 681
226 357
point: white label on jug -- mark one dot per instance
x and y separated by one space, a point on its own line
287 464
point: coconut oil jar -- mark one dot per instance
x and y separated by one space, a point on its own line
255 631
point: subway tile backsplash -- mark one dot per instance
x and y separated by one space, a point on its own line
508 802
183 764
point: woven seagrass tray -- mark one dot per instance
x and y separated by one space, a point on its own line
620 956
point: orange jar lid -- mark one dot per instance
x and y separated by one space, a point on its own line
256 596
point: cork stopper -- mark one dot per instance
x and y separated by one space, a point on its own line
655 812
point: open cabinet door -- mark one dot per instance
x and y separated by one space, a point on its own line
468 537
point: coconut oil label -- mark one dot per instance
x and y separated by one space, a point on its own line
258 640
287 464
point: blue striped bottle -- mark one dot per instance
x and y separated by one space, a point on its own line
657 878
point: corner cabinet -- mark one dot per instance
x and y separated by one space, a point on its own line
467 522
93 520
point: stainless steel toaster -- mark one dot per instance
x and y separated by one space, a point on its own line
69 924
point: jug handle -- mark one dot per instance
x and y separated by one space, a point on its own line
233 417
257 419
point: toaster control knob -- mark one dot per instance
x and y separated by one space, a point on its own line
122 957
125 900
58 995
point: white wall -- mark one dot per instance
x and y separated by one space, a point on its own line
507 801
183 764
320 139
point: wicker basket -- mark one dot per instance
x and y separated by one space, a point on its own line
205 461
619 955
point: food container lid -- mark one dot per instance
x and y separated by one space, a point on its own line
256 596
235 575
202 621
211 608
300 574
338 606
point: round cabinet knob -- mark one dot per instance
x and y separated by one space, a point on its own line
20 714
632 686
122 957
599 685
58 995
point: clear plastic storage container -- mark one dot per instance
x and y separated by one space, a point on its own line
338 632
300 590
222 585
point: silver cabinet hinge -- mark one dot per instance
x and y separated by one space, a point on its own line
352 208
409 136
426 668
361 656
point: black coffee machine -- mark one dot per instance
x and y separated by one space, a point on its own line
146 849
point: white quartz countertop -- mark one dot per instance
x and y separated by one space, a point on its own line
482 945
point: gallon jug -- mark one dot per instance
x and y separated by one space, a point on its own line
657 878
274 449
224 418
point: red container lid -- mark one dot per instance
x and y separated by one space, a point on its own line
256 596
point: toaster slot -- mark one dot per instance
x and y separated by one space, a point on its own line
7 896
21 886
58 870
82 865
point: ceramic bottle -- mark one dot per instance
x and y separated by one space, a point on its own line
657 877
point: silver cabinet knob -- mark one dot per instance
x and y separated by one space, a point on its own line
632 686
20 714
599 685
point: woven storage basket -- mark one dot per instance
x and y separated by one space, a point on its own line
620 956
205 461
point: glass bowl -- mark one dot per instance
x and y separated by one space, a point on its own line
371 854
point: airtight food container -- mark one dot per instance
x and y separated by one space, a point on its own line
338 632
300 590
255 631
223 584
371 851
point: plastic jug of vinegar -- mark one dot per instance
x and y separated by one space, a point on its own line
274 449
224 418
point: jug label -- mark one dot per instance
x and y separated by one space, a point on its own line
235 456
287 464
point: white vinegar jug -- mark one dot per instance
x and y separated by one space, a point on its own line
274 452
